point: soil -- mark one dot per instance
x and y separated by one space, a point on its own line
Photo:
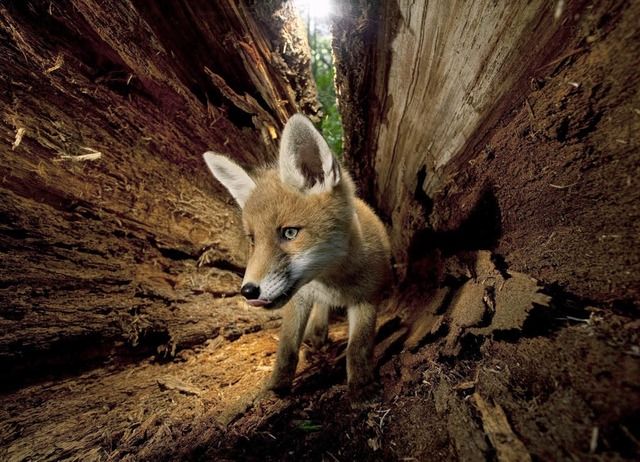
176 411
538 387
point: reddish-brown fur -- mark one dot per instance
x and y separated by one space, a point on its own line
339 254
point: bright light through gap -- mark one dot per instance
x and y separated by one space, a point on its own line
317 9
317 16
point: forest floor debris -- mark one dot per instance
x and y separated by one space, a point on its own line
494 398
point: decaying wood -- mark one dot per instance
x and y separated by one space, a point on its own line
174 383
448 143
431 112
107 207
497 140
508 446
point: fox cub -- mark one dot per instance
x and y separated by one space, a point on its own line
314 246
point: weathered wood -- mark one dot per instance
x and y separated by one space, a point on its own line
487 128
508 446
114 240
423 111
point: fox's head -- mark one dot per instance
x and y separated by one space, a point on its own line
298 218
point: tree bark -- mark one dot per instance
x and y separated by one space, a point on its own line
114 238
499 126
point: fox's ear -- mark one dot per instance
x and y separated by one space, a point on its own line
306 161
231 175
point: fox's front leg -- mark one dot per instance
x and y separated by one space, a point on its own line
318 326
362 329
294 321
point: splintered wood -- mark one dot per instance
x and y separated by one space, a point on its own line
508 446
491 302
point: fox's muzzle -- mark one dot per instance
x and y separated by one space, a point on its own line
251 292
256 297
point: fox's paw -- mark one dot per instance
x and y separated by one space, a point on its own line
364 394
278 387
316 339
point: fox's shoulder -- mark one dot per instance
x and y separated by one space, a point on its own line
373 230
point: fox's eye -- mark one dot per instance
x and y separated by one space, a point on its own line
250 237
290 233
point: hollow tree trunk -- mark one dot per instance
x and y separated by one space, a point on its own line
496 139
499 141
512 130
109 228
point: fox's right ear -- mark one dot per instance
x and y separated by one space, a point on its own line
231 175
306 161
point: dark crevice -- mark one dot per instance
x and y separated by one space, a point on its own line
470 346
562 130
441 332
17 233
76 247
170 252
73 356
226 265
233 332
420 195
623 437
446 303
592 120
179 255
508 335
388 328
565 304
488 300
148 294
501 265
625 307
481 230
396 347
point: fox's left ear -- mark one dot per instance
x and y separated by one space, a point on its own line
231 175
306 161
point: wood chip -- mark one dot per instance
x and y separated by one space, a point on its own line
508 446
174 383
19 135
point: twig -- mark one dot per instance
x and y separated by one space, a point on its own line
56 65
91 155
593 445
384 414
629 435
495 424
529 108
19 134
562 186
571 318
333 457
270 435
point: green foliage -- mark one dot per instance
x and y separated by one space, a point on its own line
310 426
323 73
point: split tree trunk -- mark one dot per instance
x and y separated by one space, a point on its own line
497 139
505 126
114 240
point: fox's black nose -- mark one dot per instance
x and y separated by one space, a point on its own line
250 291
